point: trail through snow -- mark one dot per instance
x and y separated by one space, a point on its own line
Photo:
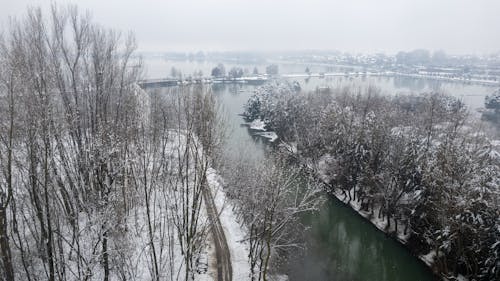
235 234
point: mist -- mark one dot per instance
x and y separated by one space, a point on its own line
388 26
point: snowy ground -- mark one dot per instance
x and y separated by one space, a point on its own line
380 223
429 258
259 125
235 234
272 136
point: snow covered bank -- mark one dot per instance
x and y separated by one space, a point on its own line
372 216
271 136
235 234
258 125
380 223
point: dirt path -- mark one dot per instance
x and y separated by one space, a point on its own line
224 268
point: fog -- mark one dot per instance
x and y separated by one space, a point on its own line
456 26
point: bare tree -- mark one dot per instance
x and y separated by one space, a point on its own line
270 197
8 85
196 138
75 97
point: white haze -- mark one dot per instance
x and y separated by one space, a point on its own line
456 26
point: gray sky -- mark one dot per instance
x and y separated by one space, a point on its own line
456 26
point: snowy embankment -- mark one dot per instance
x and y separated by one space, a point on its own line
445 78
139 241
355 204
235 234
380 223
260 127
163 213
372 216
206 267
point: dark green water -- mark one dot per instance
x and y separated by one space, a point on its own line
341 245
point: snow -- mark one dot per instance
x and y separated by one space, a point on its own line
279 277
324 163
258 125
137 241
380 223
272 136
429 257
289 146
460 277
453 79
235 234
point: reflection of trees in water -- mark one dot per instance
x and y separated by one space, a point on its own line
332 69
218 87
235 88
410 83
492 111
232 88
434 85
492 118
416 84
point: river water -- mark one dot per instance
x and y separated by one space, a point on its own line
471 94
341 245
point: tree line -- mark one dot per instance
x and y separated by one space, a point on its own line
417 161
269 197
99 180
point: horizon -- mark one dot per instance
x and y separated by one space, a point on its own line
306 52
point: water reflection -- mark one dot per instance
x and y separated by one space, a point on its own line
343 246
340 244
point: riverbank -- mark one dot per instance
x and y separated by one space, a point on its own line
382 225
397 234
234 233
394 231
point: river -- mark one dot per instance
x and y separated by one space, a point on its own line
472 95
341 245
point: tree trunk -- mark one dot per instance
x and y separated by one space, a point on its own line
388 221
105 256
5 247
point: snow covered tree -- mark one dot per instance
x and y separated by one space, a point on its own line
415 158
274 197
219 71
272 69
235 72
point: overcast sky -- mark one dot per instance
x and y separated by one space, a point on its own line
456 26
